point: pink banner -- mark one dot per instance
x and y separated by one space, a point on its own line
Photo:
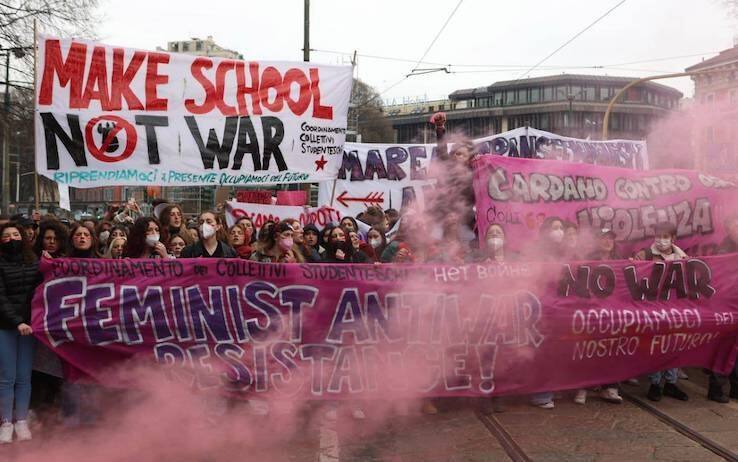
261 213
520 194
327 331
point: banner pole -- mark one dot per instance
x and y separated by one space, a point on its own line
333 192
35 64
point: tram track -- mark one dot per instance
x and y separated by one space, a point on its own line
681 427
506 440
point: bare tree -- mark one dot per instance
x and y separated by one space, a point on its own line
368 112
58 17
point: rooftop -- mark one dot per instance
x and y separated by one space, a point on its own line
560 78
725 56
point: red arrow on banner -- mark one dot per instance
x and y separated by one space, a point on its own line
374 198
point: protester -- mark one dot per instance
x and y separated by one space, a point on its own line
19 277
311 236
393 217
144 241
494 248
53 239
175 246
237 239
249 229
377 240
359 245
310 254
119 231
401 249
129 213
605 248
28 229
340 250
349 224
664 249
91 224
115 248
717 382
192 230
102 231
173 224
278 246
209 245
83 243
375 218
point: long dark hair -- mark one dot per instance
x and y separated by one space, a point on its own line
136 244
164 227
62 237
346 246
78 253
26 250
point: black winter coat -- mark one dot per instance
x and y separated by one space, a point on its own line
18 280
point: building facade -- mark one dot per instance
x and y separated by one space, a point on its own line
570 105
715 113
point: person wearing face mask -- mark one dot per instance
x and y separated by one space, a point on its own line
102 231
340 250
378 242
19 277
717 382
209 245
494 248
278 246
308 252
664 249
144 241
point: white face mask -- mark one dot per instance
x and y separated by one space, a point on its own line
104 237
495 243
557 235
376 242
207 231
663 244
152 239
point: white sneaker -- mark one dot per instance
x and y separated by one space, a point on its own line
633 381
682 375
547 405
358 414
611 395
6 433
22 431
581 397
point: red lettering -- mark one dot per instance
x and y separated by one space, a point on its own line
198 65
69 72
319 111
97 81
220 76
122 78
299 106
271 79
154 79
252 90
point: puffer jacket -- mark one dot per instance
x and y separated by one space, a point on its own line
18 280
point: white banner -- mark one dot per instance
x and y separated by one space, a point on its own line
118 116
392 175
262 213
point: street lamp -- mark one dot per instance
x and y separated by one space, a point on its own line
570 97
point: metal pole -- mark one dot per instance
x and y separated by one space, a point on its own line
6 135
306 32
36 194
606 119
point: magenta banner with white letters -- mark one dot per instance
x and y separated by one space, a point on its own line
519 194
330 331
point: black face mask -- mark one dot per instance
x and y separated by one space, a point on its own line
12 247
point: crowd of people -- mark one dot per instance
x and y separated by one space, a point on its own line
376 236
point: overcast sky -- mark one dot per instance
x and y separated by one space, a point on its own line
481 33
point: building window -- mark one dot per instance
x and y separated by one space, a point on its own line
589 93
576 92
543 121
522 96
562 93
547 93
510 97
535 95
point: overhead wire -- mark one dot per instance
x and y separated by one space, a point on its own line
571 39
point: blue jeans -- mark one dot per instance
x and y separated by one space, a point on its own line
670 375
16 363
541 398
